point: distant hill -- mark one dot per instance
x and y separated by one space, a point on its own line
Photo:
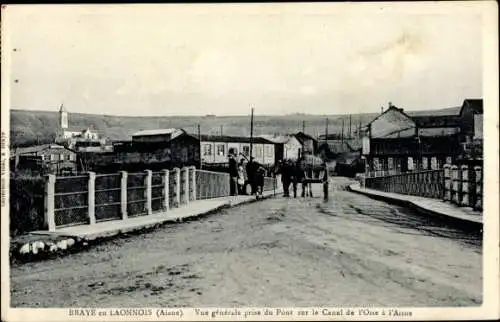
32 127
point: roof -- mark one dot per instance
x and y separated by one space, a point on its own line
338 146
232 139
476 104
36 148
301 135
169 131
276 139
436 121
455 110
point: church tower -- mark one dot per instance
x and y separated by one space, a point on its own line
63 118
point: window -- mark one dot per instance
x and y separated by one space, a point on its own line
246 150
269 151
72 157
411 164
52 157
207 149
221 149
425 163
434 163
258 151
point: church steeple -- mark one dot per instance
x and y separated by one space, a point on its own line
63 117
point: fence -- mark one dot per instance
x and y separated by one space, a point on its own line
462 185
428 183
93 198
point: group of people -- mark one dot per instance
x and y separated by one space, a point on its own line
293 173
252 173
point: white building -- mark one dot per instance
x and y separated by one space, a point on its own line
72 135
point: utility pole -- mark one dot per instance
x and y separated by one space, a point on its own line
326 133
199 139
251 134
221 130
342 135
350 120
304 127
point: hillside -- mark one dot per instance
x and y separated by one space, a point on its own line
30 127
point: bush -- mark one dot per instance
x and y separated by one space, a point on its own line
26 204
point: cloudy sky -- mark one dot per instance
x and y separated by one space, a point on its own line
221 59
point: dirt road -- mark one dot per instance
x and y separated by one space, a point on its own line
351 250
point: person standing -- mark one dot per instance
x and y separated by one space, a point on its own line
241 177
233 173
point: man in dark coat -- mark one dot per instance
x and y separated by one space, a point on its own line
233 174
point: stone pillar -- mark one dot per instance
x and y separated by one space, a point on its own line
91 198
193 183
49 202
166 194
123 194
147 191
177 187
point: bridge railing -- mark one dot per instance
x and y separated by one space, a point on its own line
93 198
428 183
462 185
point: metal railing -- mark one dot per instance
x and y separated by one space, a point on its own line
93 198
211 184
428 183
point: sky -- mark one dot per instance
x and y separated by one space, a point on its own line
324 58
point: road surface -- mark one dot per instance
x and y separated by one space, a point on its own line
351 250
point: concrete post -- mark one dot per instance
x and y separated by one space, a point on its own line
193 183
49 202
478 178
91 198
147 191
447 182
177 187
185 184
465 198
166 194
123 194
455 175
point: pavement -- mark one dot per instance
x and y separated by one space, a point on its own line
429 206
39 244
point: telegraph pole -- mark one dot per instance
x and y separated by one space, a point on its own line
221 130
304 127
350 120
251 134
199 139
342 135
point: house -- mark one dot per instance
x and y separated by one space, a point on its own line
309 144
156 150
397 141
215 148
285 147
46 158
